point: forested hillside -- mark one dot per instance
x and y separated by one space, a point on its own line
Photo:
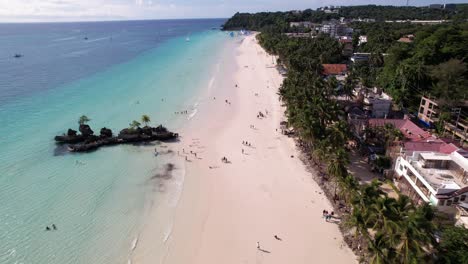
280 20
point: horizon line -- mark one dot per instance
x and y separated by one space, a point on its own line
110 20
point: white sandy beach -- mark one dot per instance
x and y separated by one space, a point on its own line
226 208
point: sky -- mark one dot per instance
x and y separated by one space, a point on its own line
93 10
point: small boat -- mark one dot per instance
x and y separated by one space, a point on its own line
85 38
187 39
18 55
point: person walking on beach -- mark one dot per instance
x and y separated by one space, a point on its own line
258 245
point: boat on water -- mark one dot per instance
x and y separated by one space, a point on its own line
187 39
17 55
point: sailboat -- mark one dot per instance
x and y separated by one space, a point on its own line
187 38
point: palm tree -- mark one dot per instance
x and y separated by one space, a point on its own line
349 85
83 120
380 251
358 220
381 215
135 124
415 234
145 119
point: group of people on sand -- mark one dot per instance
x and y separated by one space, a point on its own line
181 112
328 216
227 101
54 227
224 160
186 157
246 143
260 114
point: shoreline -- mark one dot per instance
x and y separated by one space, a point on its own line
265 190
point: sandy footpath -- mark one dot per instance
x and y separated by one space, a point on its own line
264 190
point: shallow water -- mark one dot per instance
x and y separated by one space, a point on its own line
123 70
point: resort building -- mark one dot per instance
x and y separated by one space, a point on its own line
428 111
336 29
378 103
435 177
305 24
457 127
334 69
410 131
360 57
329 9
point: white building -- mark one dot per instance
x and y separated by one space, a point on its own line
305 24
436 178
362 40
375 101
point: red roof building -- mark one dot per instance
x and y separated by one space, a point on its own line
409 129
334 69
416 139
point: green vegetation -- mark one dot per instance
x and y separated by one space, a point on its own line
145 119
390 230
396 230
434 64
382 13
278 21
453 248
135 124
83 120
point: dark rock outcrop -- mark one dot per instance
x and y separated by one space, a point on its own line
105 133
71 132
87 141
86 130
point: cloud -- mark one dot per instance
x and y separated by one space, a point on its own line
77 10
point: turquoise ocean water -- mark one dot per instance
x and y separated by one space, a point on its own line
112 72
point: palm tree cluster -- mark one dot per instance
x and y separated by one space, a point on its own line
396 230
145 119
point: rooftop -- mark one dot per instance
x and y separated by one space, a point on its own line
429 145
334 69
438 178
445 173
409 129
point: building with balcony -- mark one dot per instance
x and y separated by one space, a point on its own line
428 111
437 178
457 127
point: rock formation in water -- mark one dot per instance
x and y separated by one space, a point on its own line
87 141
